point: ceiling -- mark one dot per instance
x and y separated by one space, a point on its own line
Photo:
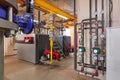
66 5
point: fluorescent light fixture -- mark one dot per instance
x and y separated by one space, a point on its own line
61 16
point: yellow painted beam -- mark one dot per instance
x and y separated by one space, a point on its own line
69 25
41 9
54 9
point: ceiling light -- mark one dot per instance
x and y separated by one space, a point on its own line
61 16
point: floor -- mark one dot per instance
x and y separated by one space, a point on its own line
21 70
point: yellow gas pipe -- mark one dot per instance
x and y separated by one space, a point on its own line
51 38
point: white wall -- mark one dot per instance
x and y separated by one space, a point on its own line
116 13
8 46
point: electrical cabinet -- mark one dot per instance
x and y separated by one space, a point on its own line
113 53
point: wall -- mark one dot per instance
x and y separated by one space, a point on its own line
8 46
116 13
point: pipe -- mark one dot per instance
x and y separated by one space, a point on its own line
110 12
54 9
88 19
103 24
96 31
93 66
39 21
75 37
96 10
83 46
90 16
1 55
51 40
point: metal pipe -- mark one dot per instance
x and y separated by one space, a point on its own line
39 21
96 9
103 24
90 16
93 27
83 46
1 55
93 66
110 12
96 31
75 37
51 39
88 19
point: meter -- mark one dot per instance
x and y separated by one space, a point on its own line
94 37
102 36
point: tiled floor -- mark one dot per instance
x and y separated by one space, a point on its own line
21 70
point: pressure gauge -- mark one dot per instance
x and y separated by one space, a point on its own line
79 36
102 58
102 36
95 57
80 55
96 50
94 37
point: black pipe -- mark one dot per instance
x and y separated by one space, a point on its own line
93 66
75 37
39 22
29 8
103 24
88 19
110 12
96 32
96 9
103 14
90 16
93 27
83 46
88 22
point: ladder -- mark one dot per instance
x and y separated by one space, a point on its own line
57 48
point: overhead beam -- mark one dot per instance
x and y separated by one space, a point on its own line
41 9
54 9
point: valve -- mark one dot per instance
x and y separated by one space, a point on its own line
96 72
96 50
25 22
81 69
82 49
